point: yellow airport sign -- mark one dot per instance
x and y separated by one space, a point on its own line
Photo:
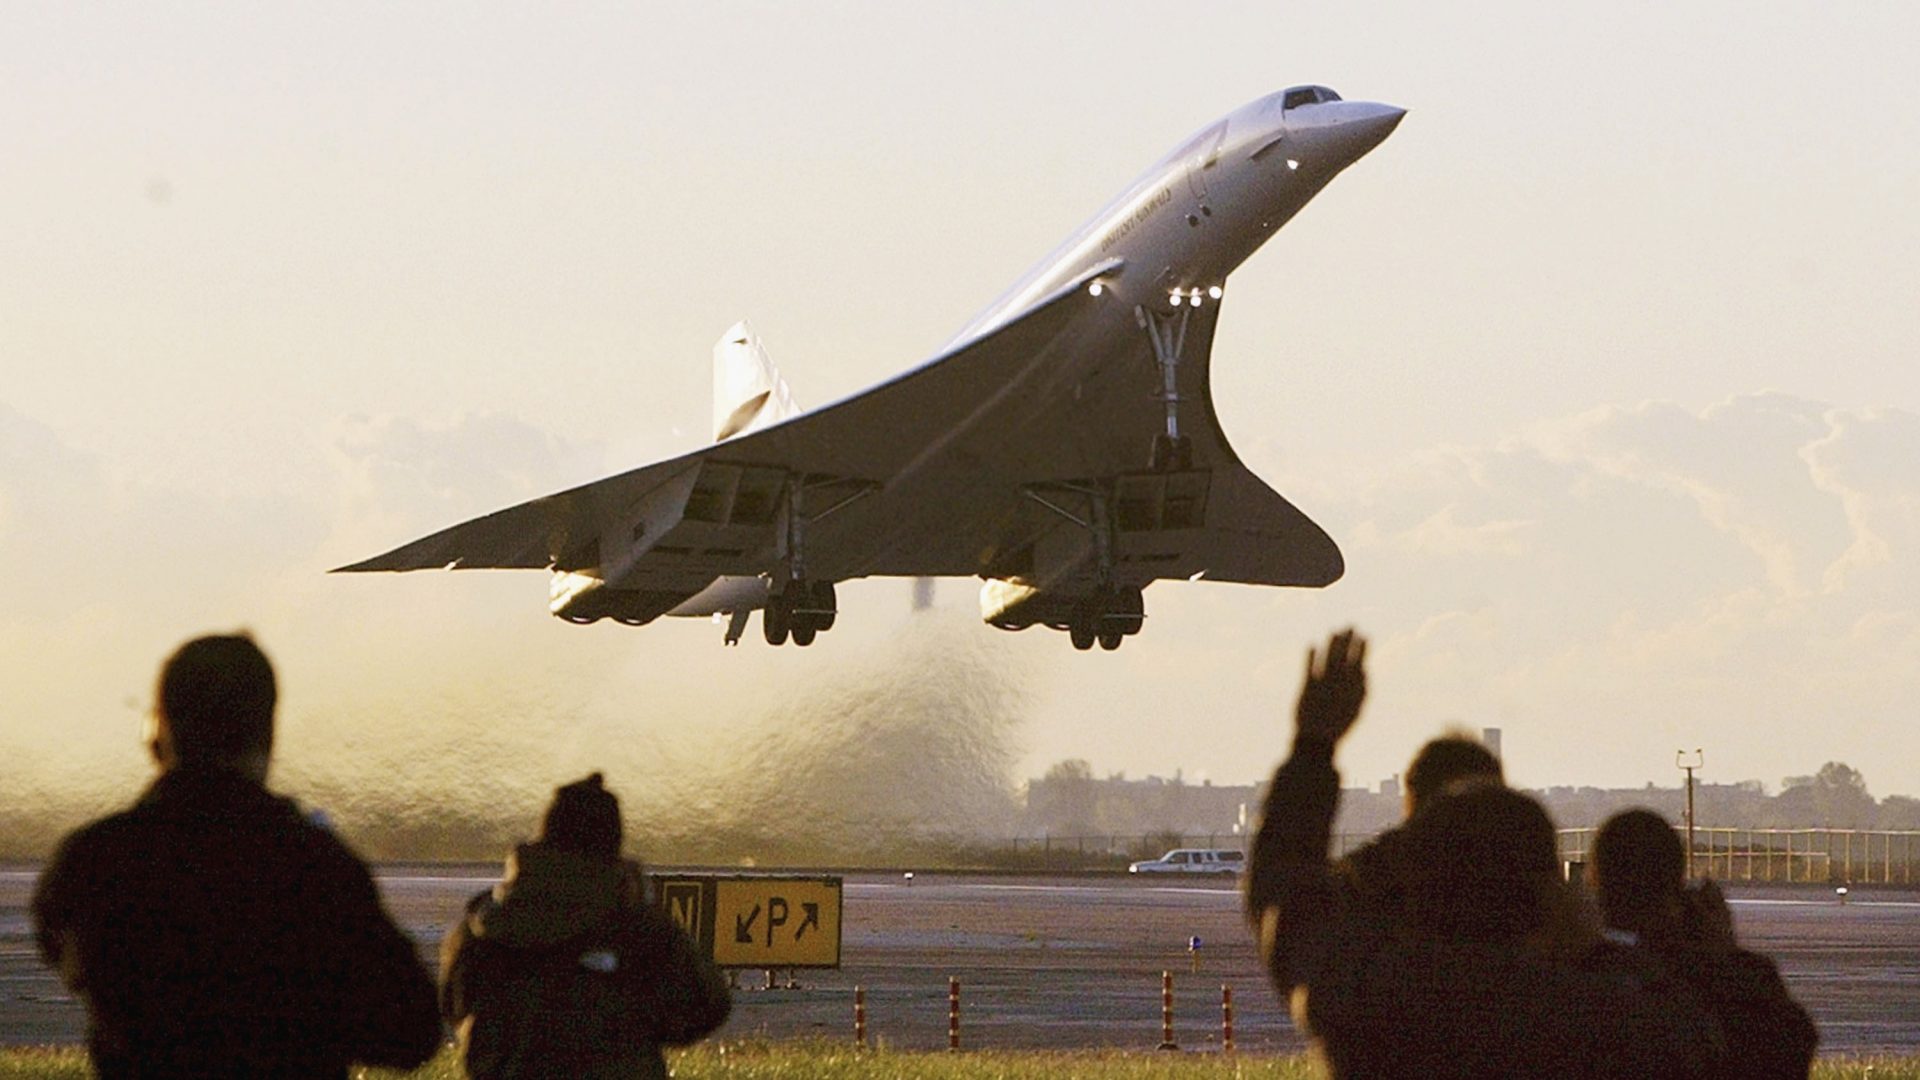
776 923
757 921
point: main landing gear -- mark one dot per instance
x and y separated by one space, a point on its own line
1107 616
800 611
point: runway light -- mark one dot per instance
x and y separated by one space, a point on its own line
1214 291
1174 298
1195 298
1094 289
1292 164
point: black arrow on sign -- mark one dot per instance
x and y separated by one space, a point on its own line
812 919
743 926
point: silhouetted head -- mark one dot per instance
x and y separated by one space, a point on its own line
585 818
216 698
1483 864
1445 760
1638 869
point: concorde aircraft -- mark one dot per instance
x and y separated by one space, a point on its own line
1063 447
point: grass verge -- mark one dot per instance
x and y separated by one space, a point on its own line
819 1060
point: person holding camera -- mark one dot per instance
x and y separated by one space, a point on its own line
1638 874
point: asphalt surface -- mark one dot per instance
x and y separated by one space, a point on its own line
1076 962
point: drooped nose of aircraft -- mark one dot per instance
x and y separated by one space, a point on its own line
1329 133
1351 128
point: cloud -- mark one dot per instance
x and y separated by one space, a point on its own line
398 474
1739 462
1652 572
1869 461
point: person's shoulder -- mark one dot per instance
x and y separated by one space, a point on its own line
1376 866
102 838
326 847
301 841
1739 974
1390 843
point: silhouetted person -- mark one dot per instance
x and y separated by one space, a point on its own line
1375 871
565 969
1465 986
1638 874
211 929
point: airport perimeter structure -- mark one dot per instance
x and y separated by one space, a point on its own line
1784 856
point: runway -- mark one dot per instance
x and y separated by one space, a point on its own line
1076 962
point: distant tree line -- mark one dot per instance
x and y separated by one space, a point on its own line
1070 801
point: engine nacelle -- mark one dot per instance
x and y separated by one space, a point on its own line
1008 605
586 598
1011 604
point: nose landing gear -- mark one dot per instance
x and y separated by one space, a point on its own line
1172 451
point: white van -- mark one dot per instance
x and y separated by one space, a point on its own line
1193 861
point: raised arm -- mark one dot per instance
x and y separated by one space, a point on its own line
1290 898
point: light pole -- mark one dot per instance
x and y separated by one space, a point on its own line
1680 760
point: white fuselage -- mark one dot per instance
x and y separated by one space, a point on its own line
1173 235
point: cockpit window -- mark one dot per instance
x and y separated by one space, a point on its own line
1307 95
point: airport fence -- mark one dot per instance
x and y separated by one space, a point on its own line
1817 856
1788 856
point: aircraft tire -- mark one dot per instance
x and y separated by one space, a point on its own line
823 599
1081 634
1111 637
1130 603
774 619
803 632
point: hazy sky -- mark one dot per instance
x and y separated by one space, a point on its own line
1601 369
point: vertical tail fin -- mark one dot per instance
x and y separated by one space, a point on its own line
748 392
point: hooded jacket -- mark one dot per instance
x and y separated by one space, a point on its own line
564 969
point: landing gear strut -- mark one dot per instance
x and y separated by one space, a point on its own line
1172 451
803 608
1110 612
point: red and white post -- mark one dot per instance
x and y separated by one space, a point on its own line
860 1017
1166 1012
953 1012
1226 1019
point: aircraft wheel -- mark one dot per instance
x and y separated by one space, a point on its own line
1133 605
824 600
774 619
803 633
1082 636
1110 638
